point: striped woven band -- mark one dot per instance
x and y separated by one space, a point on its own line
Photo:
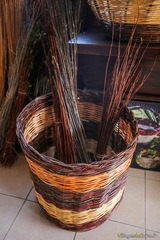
79 184
78 218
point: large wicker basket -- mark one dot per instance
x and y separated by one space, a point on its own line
76 196
124 15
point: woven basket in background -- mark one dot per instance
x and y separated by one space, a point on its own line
124 15
76 196
147 163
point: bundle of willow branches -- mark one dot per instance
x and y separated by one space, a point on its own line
19 19
63 18
3 55
125 80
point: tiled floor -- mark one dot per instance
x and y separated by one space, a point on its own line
138 216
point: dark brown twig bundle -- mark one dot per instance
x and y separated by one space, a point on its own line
125 81
18 75
71 140
12 13
3 55
8 149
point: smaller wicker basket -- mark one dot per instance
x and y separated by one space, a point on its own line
148 162
123 16
76 196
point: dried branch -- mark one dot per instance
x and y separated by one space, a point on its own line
71 140
126 80
20 17
3 55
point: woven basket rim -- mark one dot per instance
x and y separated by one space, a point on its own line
127 11
53 160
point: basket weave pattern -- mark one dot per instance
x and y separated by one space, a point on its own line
76 196
125 15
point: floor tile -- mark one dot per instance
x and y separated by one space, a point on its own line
9 208
31 224
16 180
150 235
111 231
136 172
153 205
132 208
32 196
153 175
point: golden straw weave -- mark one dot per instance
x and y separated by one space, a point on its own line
124 15
76 196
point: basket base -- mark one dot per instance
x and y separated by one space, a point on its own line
80 228
145 33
